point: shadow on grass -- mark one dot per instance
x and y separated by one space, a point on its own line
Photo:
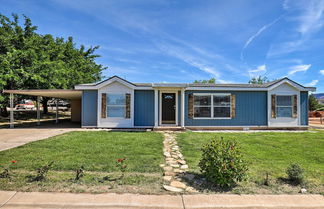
200 183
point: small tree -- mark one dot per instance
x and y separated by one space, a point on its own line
259 80
313 103
222 162
212 80
295 173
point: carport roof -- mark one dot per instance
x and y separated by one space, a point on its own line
54 93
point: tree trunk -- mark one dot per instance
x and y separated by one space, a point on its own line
4 112
44 103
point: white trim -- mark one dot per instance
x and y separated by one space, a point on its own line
160 107
182 108
225 89
104 83
156 107
212 106
296 86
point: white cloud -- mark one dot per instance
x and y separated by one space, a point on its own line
298 68
321 72
254 36
261 69
312 83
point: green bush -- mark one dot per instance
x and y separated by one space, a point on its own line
222 162
295 173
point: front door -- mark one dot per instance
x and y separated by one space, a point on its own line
168 108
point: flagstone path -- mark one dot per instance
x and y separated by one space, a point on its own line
175 166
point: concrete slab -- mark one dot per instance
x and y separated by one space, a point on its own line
253 201
10 138
5 196
111 200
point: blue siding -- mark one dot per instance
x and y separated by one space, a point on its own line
89 108
251 110
144 108
304 107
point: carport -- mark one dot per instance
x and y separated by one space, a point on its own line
73 95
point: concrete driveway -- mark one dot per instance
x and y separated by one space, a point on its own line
15 137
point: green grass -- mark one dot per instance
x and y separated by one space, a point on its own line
95 150
98 152
266 151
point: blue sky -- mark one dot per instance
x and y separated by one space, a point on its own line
181 41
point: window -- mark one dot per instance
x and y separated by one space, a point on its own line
222 106
212 105
284 106
202 106
116 105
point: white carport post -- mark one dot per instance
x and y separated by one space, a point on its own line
182 108
38 111
156 108
56 103
11 97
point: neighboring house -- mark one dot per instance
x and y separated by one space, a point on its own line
320 98
117 103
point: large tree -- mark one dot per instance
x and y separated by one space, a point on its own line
29 60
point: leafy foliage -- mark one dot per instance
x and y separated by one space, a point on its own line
313 103
42 171
295 173
29 60
222 162
212 80
259 80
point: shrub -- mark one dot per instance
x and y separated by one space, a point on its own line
42 171
79 173
295 173
222 162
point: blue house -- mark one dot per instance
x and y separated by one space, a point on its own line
118 103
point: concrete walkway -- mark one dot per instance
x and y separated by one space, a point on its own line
10 138
38 200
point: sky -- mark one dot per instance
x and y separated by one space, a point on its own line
187 40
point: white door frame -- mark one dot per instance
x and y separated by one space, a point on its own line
176 110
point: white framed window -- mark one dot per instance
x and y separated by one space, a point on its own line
217 106
116 105
284 106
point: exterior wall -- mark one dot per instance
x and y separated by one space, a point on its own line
284 89
111 122
76 110
251 110
89 108
304 108
144 108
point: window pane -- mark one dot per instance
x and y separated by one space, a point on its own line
116 99
284 112
222 112
222 100
284 100
202 100
202 112
115 111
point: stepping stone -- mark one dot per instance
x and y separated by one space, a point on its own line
191 189
168 168
178 184
181 162
162 165
177 170
184 167
175 165
167 178
169 173
172 189
167 154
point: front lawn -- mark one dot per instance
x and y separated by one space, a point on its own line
98 152
268 152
